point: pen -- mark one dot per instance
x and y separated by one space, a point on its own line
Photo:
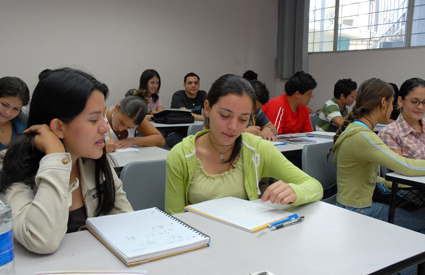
290 217
253 120
282 225
284 143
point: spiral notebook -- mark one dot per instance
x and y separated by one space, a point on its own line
247 215
146 235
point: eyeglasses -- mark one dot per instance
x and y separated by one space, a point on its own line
416 102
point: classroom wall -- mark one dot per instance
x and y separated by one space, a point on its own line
392 65
116 40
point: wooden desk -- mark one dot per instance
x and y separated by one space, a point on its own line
163 125
145 153
397 178
331 240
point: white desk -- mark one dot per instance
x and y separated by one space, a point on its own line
331 240
296 148
163 125
145 153
396 178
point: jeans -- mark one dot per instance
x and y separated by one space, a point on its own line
408 219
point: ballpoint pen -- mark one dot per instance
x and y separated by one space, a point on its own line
292 222
290 217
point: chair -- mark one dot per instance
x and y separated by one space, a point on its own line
313 119
144 183
316 164
194 128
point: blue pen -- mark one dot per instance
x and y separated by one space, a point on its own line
291 217
280 144
310 136
282 225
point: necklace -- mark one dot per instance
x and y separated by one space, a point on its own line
221 154
2 128
110 119
370 122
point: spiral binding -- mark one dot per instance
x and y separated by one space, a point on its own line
184 224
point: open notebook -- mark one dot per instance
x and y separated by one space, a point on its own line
146 235
246 215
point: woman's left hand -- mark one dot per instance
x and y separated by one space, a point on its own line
279 192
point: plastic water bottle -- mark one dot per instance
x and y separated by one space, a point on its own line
7 257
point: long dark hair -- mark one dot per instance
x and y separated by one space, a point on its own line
144 79
14 87
230 84
368 97
62 94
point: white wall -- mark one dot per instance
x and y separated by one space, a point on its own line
116 40
392 65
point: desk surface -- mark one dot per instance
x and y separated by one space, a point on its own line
412 181
331 240
163 125
298 147
145 153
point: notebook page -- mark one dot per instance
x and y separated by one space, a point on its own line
145 233
241 212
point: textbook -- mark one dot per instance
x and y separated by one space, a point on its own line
146 235
243 214
295 139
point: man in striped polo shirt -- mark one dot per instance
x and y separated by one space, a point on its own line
335 110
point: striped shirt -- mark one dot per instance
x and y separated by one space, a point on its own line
330 110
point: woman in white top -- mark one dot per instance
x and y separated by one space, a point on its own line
128 118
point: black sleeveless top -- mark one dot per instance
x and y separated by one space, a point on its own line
77 218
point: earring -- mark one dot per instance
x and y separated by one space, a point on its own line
208 121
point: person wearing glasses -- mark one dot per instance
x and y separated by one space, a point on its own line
406 135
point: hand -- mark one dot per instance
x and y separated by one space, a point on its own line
279 192
125 143
267 134
112 145
255 130
46 141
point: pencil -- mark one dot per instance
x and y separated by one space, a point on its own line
253 120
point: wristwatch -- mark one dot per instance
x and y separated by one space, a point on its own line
150 111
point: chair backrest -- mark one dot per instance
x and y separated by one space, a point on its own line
144 183
315 162
194 128
313 119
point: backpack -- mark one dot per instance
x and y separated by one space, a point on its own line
173 116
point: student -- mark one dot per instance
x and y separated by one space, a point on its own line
406 135
223 161
57 173
289 112
150 81
250 75
359 152
335 110
260 125
126 120
14 94
191 98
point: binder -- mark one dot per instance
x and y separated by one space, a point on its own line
146 235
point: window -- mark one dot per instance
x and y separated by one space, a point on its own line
365 24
